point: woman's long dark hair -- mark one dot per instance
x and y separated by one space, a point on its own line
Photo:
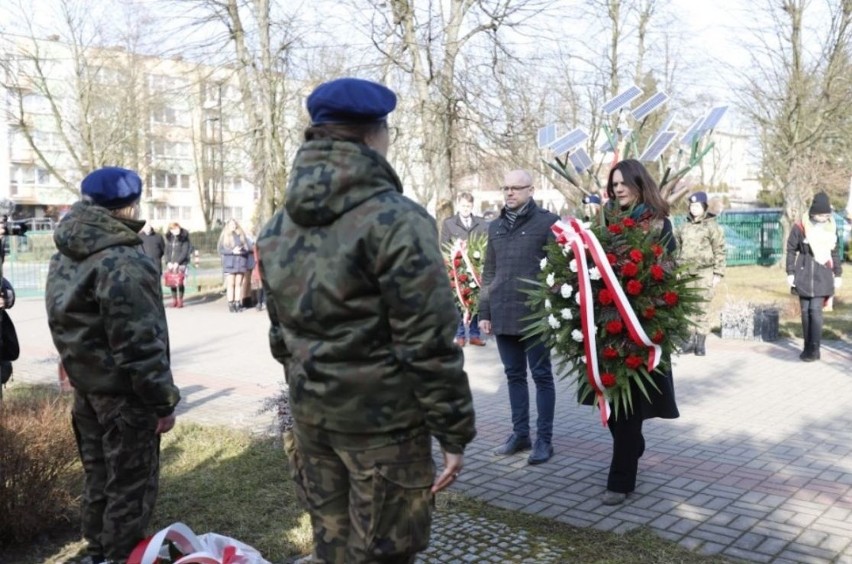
636 176
352 132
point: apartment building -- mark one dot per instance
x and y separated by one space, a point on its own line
67 111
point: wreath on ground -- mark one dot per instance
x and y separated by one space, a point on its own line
613 306
465 261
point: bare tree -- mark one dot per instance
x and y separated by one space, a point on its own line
798 99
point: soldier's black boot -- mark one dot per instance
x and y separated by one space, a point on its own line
689 345
699 345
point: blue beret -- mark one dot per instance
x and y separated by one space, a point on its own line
592 199
112 187
698 197
348 100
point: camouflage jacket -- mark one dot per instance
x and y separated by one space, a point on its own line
362 316
105 310
701 244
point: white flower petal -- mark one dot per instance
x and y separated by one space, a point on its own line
566 290
543 263
548 305
551 279
477 254
566 314
577 335
554 323
577 298
573 265
594 273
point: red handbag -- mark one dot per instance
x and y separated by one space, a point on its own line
173 279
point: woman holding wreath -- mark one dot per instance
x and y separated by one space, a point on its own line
630 189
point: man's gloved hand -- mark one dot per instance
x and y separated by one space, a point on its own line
791 280
838 282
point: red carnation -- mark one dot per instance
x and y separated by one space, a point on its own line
614 327
629 222
615 229
608 379
604 297
630 270
650 312
634 287
636 255
561 239
657 272
658 336
633 362
466 292
657 250
611 258
457 262
462 277
671 298
610 353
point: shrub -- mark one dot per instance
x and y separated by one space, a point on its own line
39 481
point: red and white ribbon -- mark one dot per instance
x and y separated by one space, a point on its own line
580 239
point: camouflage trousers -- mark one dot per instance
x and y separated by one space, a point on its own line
368 497
120 453
704 284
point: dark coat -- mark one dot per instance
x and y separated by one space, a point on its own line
235 261
154 246
811 278
662 403
512 256
453 228
178 248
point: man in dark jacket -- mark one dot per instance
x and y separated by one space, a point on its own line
362 320
153 245
106 317
460 227
516 243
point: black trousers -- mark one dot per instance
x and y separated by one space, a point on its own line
812 320
628 445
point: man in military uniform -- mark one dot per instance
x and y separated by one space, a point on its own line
460 227
363 321
591 207
106 317
701 247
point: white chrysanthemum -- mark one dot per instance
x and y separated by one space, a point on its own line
477 255
551 279
473 284
573 265
554 323
543 264
577 335
566 290
566 314
548 305
594 273
577 298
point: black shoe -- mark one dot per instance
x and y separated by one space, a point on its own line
513 444
541 452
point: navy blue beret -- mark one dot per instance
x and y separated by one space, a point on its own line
592 199
348 100
698 197
112 187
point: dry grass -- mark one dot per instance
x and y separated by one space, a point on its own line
768 286
38 464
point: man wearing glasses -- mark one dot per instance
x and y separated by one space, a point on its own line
516 241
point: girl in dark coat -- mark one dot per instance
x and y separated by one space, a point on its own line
813 269
630 187
234 248
178 251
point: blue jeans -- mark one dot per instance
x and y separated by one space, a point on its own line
516 355
474 328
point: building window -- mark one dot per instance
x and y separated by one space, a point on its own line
164 179
186 213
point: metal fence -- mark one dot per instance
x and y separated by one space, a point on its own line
757 236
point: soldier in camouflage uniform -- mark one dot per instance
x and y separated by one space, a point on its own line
363 321
107 321
701 247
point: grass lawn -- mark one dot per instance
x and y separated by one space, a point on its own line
767 285
225 481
